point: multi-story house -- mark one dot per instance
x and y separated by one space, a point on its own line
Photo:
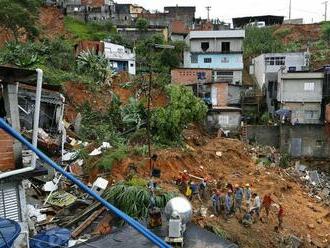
301 93
221 51
265 70
88 10
119 57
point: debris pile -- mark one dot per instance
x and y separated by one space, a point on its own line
318 183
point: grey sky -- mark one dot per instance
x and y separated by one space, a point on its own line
225 10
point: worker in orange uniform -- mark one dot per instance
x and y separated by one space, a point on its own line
280 215
267 203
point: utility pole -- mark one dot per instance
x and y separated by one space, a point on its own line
290 7
325 10
208 8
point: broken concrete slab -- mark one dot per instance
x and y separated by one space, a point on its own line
314 177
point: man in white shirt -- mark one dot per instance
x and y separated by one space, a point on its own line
256 204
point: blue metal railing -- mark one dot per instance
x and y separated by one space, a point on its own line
135 224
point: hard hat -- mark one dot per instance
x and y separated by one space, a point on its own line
185 171
247 185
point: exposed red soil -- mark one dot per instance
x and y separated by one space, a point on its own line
51 22
236 166
302 33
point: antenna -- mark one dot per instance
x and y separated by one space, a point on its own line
208 8
325 10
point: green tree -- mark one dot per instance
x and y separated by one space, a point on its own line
261 40
142 24
19 16
173 57
184 107
325 29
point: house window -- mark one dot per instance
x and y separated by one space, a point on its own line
226 76
275 61
225 47
224 60
194 59
208 60
309 86
205 46
311 114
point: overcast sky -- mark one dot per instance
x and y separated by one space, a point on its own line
310 10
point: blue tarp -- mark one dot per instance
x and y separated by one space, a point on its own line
283 112
9 231
55 237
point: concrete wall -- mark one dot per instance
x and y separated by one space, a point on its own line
306 141
234 94
293 90
298 141
264 135
305 113
215 45
219 61
226 120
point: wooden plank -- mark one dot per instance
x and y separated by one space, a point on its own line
87 222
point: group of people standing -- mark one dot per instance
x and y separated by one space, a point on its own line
227 200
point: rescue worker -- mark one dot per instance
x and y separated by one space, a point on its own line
280 215
256 205
247 195
216 202
267 203
238 198
202 189
223 202
229 203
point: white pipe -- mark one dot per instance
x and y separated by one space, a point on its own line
35 130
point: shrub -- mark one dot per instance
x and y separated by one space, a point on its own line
261 40
168 123
111 157
325 29
285 160
134 200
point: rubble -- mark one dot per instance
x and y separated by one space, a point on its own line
317 182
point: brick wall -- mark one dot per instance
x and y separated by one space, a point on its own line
189 76
222 94
92 2
7 161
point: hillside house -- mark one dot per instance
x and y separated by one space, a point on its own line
265 70
88 10
120 58
223 98
301 93
221 51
